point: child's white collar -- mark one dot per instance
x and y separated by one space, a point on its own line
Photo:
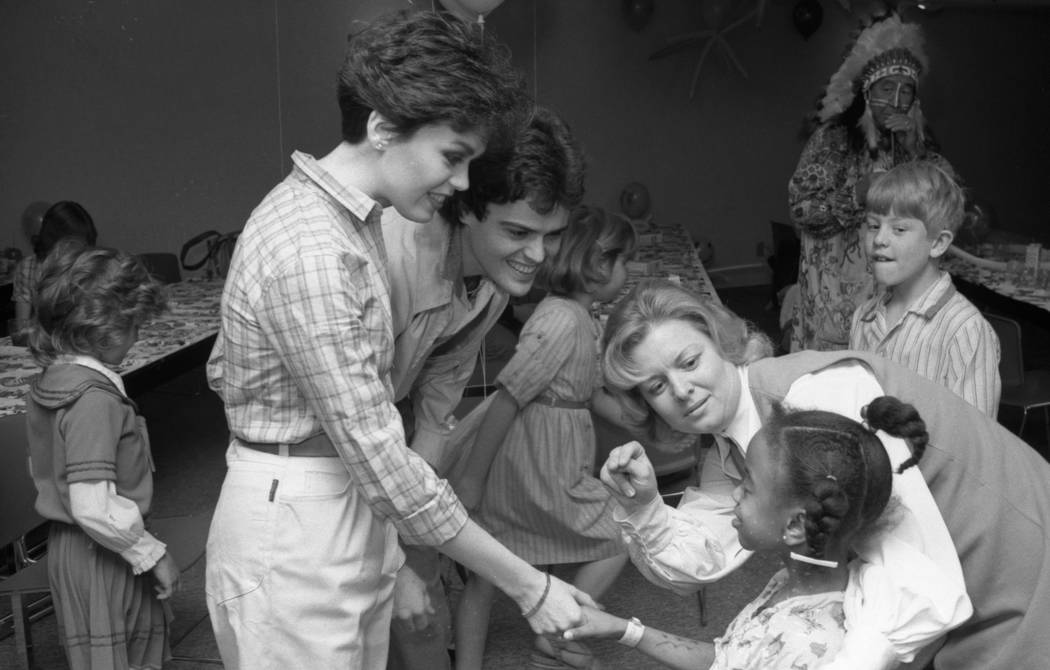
96 365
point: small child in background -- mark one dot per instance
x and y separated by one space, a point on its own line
916 317
63 219
91 462
32 217
540 497
817 482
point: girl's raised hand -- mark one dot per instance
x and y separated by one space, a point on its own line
629 475
561 609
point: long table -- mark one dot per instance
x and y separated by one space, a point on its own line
173 343
665 251
677 259
1001 290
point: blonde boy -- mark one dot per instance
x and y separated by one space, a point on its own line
916 317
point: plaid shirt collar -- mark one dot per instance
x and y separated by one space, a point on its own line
363 207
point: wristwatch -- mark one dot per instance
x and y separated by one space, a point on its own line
633 635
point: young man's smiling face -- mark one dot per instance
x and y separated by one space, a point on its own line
510 243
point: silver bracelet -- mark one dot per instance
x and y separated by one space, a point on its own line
539 603
633 635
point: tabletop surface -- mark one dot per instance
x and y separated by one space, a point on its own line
669 255
192 316
1009 284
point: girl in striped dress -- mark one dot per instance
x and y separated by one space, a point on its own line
540 497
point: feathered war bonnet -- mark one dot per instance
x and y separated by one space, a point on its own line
885 46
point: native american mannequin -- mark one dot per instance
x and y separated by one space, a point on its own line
868 121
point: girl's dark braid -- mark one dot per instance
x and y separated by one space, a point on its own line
900 420
825 512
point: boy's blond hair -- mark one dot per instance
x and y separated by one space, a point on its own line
919 190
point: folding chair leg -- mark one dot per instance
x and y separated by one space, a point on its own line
23 639
701 597
1046 424
1024 419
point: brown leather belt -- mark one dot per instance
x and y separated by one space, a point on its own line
317 446
548 400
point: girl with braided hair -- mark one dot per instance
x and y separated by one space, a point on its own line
816 482
958 573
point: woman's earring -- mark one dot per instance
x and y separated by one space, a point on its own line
379 145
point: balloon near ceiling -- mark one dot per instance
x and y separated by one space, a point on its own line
470 10
637 13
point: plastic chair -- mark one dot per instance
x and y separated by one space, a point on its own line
210 250
163 266
785 259
1022 389
18 517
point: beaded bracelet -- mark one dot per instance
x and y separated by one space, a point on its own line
539 603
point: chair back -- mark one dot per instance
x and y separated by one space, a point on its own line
210 250
785 259
17 513
1011 360
163 266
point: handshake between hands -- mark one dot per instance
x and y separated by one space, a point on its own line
562 612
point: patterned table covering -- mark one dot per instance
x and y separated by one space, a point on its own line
1004 283
671 255
193 316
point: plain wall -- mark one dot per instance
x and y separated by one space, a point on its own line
166 118
720 162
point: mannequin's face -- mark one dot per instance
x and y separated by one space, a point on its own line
893 94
